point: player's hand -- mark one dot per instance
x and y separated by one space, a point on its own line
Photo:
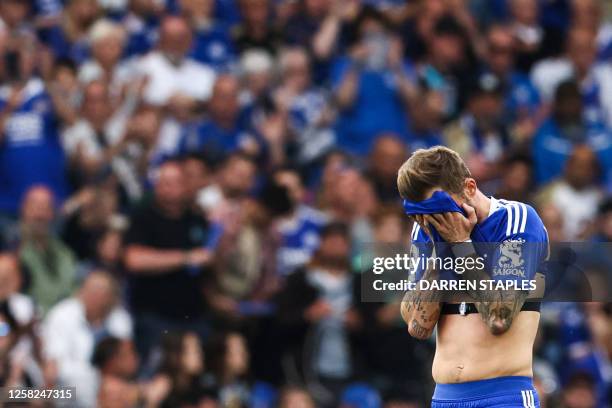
454 226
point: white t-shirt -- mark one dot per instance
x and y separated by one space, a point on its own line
577 207
189 78
69 340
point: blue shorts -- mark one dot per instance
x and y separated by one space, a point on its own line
502 392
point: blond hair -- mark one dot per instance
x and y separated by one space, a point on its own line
438 166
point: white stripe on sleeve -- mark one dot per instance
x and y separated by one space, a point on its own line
524 222
509 226
517 218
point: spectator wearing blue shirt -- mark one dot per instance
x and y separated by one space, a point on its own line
521 99
582 357
224 130
69 38
212 43
299 227
307 107
563 130
141 24
448 64
426 119
371 85
30 150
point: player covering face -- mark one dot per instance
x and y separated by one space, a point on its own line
484 343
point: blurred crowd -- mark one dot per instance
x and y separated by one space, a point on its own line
185 186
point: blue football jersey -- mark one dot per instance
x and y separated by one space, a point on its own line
512 240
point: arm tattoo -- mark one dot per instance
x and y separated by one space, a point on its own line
499 314
420 309
496 308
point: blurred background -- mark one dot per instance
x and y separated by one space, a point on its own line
185 186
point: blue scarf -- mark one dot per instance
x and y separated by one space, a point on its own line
439 202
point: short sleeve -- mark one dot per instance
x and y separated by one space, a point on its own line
524 248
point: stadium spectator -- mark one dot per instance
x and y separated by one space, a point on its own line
320 300
100 135
107 40
516 181
115 357
68 38
576 193
182 367
230 366
165 257
25 355
225 130
30 150
169 71
49 262
521 99
257 30
369 103
307 107
11 284
426 119
198 175
225 197
72 328
257 75
11 374
299 228
562 131
85 216
527 32
480 135
579 392
594 80
141 23
387 154
212 44
553 220
446 65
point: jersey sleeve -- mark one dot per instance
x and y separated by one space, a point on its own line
523 246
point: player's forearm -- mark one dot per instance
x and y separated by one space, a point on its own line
496 308
420 310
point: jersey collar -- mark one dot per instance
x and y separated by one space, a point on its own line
494 206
